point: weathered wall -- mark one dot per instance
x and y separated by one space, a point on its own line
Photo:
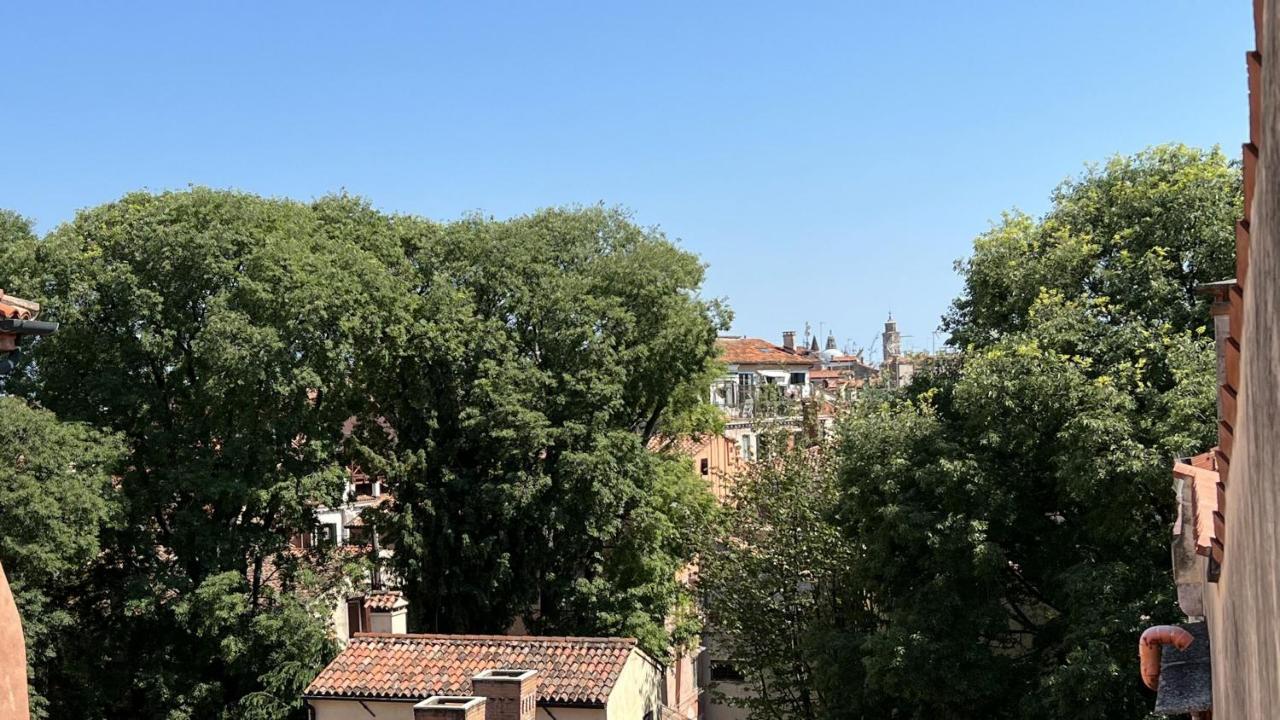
13 658
564 713
682 685
725 711
724 459
353 710
639 690
1243 608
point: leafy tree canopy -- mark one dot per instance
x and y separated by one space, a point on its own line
506 378
515 417
1018 494
55 500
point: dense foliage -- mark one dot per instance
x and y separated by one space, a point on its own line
1018 495
515 416
1002 525
505 377
776 590
54 502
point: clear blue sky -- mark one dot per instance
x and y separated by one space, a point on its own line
828 160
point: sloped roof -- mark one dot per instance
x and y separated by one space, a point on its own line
754 351
385 600
1201 472
16 307
572 670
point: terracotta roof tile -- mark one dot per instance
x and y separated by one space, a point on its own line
824 374
15 307
385 601
1201 472
574 670
754 351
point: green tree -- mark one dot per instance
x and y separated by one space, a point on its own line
1019 496
218 334
515 415
776 591
54 502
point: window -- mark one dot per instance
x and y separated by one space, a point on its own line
797 378
357 535
329 533
724 671
706 466
357 616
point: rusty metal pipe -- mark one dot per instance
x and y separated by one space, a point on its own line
1149 649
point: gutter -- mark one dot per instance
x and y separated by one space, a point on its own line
415 700
27 327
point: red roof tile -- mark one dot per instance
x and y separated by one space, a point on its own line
1202 473
15 307
573 670
754 351
384 601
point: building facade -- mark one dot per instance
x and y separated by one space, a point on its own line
561 678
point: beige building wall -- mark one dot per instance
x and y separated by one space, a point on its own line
723 458
682 693
355 710
724 711
1243 607
639 690
346 709
396 621
570 713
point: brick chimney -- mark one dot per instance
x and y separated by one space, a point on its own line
512 694
449 707
789 340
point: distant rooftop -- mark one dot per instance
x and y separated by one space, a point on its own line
572 670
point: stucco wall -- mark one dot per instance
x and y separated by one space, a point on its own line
725 711
13 658
353 710
724 459
639 690
570 713
389 622
1243 608
681 685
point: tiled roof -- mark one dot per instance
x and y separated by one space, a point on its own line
573 670
1201 472
384 601
15 307
754 351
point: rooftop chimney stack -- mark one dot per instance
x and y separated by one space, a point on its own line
512 693
789 340
448 707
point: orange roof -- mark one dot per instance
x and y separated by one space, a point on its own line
384 601
754 351
17 308
573 670
1201 472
